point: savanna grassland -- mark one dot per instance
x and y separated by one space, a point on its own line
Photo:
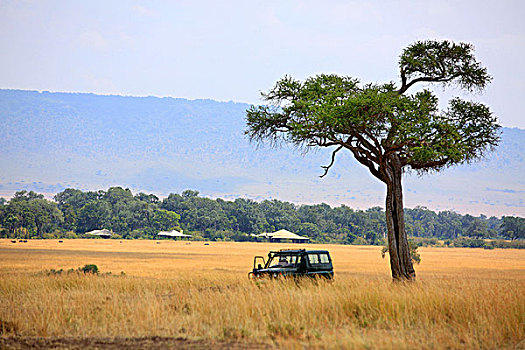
163 294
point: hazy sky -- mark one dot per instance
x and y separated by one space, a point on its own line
231 50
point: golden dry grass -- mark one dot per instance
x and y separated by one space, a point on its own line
464 298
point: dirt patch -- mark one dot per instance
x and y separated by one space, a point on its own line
148 343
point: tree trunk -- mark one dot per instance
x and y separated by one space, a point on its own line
400 261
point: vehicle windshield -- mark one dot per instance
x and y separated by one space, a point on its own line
283 261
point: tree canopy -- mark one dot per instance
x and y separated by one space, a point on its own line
74 212
374 121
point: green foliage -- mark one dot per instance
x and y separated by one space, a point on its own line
116 209
28 213
426 242
69 235
164 220
143 216
500 243
360 241
477 228
49 236
443 62
465 242
514 227
86 269
414 254
52 272
90 268
376 121
93 215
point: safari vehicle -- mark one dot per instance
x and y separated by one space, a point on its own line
293 263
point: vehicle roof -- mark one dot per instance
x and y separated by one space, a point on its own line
297 251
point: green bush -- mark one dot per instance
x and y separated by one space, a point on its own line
501 243
49 236
380 241
4 233
87 269
54 272
360 241
426 241
90 268
69 235
414 254
464 242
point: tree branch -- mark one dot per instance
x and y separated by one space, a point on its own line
327 167
438 79
365 161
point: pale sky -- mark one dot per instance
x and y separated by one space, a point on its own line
231 50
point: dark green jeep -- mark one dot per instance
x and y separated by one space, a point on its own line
293 263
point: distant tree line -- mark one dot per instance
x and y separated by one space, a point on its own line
74 212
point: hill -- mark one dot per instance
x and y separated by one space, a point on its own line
52 141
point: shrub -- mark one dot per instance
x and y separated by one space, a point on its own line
464 242
49 236
414 254
4 233
87 269
360 241
54 272
136 234
380 241
90 268
69 235
501 243
426 241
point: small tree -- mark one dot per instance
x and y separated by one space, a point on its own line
513 227
90 268
387 130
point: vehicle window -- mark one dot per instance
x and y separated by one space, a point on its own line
283 261
313 258
324 258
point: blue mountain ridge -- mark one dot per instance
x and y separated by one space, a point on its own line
51 141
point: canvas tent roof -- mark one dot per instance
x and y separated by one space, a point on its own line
101 233
283 234
172 233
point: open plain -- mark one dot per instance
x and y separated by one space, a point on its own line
177 294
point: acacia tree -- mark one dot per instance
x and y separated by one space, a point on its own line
386 129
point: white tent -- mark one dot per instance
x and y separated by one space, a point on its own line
101 233
173 234
283 235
